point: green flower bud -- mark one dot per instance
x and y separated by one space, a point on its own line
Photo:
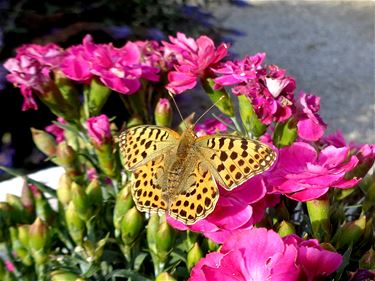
249 118
44 142
285 133
23 234
18 247
107 160
76 226
64 275
152 228
81 201
285 228
27 199
39 240
64 194
98 95
351 232
163 113
212 246
318 211
225 105
131 226
164 239
43 208
5 219
135 120
94 192
368 260
194 255
165 276
124 202
67 158
18 214
68 92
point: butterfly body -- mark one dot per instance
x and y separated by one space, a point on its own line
177 174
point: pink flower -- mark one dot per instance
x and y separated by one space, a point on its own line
57 131
252 254
99 130
268 88
31 68
261 254
304 174
314 260
211 126
310 126
120 69
235 210
9 265
336 139
194 58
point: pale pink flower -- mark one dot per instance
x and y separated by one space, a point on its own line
303 174
310 126
98 128
235 210
194 59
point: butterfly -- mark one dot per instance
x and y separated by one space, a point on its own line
178 174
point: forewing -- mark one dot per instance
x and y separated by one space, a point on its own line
233 160
199 197
141 144
145 190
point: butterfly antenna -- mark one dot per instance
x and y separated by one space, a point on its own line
178 110
204 113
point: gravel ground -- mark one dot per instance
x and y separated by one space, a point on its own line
329 47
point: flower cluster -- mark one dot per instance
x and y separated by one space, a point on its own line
258 223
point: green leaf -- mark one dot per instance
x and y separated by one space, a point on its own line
139 259
249 118
345 262
285 133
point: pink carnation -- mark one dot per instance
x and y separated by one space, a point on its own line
57 131
211 126
304 174
194 58
268 88
261 254
30 70
98 128
310 126
235 210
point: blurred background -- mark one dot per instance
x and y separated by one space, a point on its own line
328 46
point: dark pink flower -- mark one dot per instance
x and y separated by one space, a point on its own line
268 88
314 260
252 254
98 128
57 131
336 139
31 68
303 174
194 58
211 126
9 265
310 126
235 210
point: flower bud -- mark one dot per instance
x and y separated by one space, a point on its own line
368 260
98 129
163 113
76 226
165 276
23 234
44 142
94 193
225 105
18 214
318 211
286 228
249 118
152 228
18 247
164 239
5 219
285 133
64 275
194 255
43 208
64 194
351 232
81 201
124 202
131 226
68 92
39 240
67 158
27 199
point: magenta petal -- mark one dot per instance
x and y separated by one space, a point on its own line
310 130
285 267
308 194
295 157
180 82
211 260
331 156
